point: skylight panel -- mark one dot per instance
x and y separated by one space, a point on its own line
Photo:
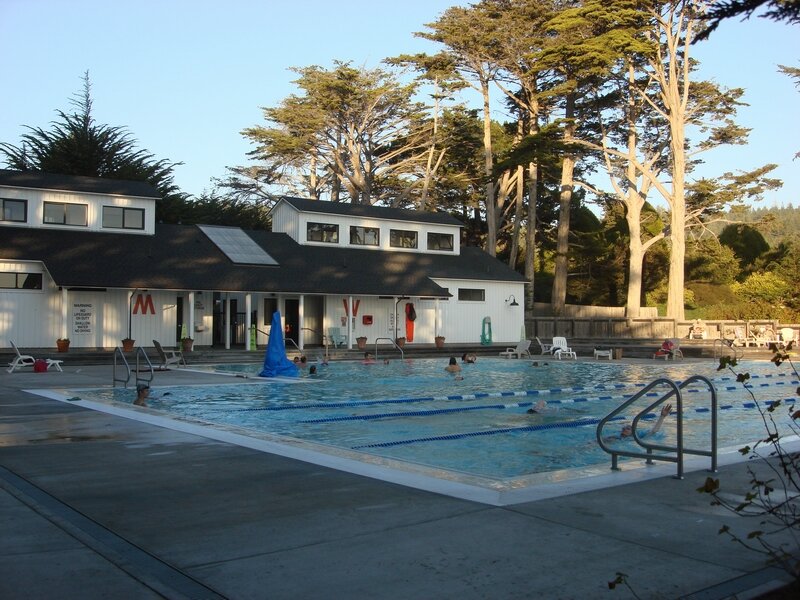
237 245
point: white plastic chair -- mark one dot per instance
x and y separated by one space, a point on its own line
560 348
26 360
546 348
522 348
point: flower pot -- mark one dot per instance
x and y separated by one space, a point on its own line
361 342
63 345
127 344
187 344
401 342
439 340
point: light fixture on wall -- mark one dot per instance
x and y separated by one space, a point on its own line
513 300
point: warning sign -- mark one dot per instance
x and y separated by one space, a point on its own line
82 318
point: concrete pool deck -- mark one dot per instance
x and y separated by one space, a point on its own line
94 505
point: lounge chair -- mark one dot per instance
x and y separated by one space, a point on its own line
740 338
522 348
787 335
336 337
26 360
673 350
560 348
168 357
546 348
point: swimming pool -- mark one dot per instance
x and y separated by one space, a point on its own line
413 412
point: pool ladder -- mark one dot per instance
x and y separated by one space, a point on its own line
125 377
724 347
668 453
393 343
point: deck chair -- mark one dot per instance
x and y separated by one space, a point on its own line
740 338
546 348
336 337
560 348
522 348
26 360
168 357
675 350
787 335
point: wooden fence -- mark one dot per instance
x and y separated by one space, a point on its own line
612 327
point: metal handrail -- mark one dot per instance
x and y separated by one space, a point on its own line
118 351
721 346
141 354
288 339
679 450
393 343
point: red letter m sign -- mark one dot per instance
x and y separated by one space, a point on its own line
146 305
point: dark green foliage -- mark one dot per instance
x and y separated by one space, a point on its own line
746 242
77 145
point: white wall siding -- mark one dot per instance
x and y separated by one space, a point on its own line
95 202
459 322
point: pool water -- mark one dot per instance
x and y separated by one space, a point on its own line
414 411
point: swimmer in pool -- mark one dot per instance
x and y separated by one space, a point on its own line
627 429
541 407
453 366
142 393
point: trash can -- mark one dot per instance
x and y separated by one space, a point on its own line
617 353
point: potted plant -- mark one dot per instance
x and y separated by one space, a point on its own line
361 341
401 341
62 344
127 344
186 344
439 340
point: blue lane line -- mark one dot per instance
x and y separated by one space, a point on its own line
455 397
444 411
541 427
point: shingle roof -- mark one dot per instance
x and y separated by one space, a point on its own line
181 257
373 212
75 183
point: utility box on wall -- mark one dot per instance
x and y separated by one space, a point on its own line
366 320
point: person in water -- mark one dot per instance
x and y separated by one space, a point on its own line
627 429
142 393
368 359
539 408
453 366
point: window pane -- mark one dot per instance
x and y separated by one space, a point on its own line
440 241
471 294
8 281
112 216
76 214
399 238
134 218
31 281
14 210
322 232
53 213
364 236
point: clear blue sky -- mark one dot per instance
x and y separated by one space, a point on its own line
186 76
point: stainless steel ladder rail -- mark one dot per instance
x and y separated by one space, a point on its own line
393 343
141 356
124 381
722 347
676 452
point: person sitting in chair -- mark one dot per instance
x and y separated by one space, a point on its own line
666 349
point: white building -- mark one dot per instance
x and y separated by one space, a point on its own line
83 258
